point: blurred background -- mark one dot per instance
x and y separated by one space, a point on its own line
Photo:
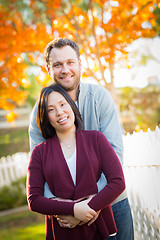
120 49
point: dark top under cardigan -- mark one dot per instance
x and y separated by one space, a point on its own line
94 156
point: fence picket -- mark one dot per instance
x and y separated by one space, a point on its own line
142 174
13 167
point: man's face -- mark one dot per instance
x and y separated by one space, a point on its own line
65 67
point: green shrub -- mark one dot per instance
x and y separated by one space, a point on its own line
13 195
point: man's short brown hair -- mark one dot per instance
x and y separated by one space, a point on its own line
59 43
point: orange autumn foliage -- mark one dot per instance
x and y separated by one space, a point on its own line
100 27
17 42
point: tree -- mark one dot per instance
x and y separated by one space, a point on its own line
157 23
102 28
21 45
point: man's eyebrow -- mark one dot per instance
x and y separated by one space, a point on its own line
70 59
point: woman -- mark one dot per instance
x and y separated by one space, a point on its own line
71 161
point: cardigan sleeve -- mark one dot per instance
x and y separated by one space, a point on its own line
112 169
35 190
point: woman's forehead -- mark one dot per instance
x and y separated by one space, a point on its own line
55 97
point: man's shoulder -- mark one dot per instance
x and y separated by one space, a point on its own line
93 89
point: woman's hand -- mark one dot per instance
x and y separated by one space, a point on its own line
83 212
67 221
70 221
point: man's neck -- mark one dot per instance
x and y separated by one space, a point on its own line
74 94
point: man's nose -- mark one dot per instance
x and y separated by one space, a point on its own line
65 68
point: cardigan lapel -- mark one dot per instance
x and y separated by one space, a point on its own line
62 180
85 178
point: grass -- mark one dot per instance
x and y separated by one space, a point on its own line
13 140
22 226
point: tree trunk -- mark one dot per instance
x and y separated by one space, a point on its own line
111 88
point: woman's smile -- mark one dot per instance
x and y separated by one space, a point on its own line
62 120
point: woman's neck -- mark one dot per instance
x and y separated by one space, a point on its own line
68 136
67 142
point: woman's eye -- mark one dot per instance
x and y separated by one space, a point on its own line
51 109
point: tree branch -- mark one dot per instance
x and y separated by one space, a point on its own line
96 42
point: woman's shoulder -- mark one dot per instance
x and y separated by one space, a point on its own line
43 145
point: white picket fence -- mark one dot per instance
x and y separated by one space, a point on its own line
142 174
13 167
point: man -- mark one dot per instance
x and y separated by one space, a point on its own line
98 112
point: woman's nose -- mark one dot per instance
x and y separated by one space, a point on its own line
59 111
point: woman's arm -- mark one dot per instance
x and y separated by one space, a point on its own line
38 203
35 190
112 169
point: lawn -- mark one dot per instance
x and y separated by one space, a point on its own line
13 140
22 226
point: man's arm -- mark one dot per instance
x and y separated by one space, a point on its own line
110 126
109 123
35 136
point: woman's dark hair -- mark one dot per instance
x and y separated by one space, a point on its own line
46 128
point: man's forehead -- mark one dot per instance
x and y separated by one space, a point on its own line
63 54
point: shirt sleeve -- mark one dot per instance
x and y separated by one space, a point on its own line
109 123
35 190
113 172
35 136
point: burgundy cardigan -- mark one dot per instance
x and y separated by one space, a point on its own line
94 156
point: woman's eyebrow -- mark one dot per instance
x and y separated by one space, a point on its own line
51 105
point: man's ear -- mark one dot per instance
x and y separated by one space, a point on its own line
48 69
80 63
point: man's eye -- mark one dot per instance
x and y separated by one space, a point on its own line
57 65
70 62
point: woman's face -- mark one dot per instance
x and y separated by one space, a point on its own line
60 113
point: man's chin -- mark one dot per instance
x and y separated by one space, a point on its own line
67 87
